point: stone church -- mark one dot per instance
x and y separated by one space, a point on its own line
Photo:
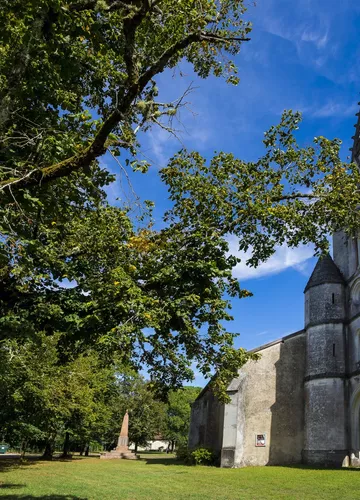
301 401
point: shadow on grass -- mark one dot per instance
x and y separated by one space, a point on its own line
9 486
161 460
317 467
9 464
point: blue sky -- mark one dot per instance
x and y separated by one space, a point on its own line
303 55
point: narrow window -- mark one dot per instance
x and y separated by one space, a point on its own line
333 298
333 349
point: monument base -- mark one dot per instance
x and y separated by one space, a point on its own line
120 452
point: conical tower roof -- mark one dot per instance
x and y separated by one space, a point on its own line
326 271
355 150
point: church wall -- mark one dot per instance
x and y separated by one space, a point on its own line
354 386
206 425
354 345
341 257
270 401
233 429
325 414
325 377
345 254
354 414
353 296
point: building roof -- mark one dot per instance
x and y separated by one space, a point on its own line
326 271
281 340
257 349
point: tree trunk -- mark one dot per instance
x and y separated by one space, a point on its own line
136 446
23 449
82 450
87 450
48 452
66 446
172 446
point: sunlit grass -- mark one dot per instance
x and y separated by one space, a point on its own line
161 477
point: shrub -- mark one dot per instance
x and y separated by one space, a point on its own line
184 454
199 456
204 456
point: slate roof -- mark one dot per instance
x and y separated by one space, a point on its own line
326 271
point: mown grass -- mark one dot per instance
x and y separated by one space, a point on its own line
161 477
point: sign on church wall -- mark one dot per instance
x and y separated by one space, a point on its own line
260 440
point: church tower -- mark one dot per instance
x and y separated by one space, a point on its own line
324 388
332 377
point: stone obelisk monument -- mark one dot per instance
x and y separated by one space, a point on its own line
122 449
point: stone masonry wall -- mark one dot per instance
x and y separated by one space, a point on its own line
271 402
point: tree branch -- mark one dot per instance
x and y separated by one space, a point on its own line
130 26
212 36
98 148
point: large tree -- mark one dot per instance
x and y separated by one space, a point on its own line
60 58
79 78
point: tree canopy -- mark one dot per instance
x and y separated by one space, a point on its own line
78 79
61 58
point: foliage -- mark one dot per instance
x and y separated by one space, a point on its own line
204 456
290 195
61 58
199 456
40 399
146 415
77 78
184 454
178 413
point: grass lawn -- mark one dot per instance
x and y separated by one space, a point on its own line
160 477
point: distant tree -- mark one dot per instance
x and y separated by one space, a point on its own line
42 400
178 414
146 414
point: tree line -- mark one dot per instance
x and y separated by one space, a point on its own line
46 405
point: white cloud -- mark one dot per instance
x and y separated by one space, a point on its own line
339 108
266 332
332 108
283 258
319 38
160 141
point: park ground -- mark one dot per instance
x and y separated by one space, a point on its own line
161 477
